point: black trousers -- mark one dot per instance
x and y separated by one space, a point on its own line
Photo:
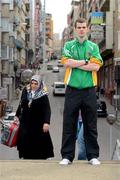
84 100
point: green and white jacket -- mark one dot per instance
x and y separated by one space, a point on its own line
76 77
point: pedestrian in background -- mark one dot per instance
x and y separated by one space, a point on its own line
80 139
34 113
82 60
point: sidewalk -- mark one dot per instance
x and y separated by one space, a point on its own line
50 170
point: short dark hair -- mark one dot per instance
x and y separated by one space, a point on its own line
80 20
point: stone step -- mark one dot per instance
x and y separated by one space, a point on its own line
50 170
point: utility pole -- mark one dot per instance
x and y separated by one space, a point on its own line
44 30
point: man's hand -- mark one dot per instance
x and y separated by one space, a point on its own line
45 127
74 63
90 67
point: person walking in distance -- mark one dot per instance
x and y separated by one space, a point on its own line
34 112
82 60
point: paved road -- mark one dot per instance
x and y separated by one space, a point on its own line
106 143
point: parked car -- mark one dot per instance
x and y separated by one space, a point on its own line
8 118
49 66
101 109
59 64
59 88
8 109
55 69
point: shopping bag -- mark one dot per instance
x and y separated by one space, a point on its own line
9 134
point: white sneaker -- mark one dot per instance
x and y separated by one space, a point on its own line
65 162
49 159
94 161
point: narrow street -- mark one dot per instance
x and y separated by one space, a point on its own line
107 134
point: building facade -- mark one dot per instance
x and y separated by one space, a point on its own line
49 35
14 44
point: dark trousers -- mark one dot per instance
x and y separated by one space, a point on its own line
85 100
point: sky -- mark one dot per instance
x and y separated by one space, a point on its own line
59 10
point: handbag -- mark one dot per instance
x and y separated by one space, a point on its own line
9 134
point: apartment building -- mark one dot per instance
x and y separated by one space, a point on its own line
117 49
7 71
49 35
37 14
14 44
56 45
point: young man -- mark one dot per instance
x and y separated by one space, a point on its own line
82 60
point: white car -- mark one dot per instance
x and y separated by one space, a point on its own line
8 118
59 88
55 69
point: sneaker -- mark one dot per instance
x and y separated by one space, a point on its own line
94 161
49 159
65 162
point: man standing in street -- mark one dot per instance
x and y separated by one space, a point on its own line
82 60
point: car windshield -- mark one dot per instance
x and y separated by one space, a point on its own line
60 86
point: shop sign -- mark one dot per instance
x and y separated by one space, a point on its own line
96 17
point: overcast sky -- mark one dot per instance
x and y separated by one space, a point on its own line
59 10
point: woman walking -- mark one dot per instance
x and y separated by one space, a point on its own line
34 112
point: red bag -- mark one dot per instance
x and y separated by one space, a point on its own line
10 134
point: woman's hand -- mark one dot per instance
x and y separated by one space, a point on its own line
16 118
45 127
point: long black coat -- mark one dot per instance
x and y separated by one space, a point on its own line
33 143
